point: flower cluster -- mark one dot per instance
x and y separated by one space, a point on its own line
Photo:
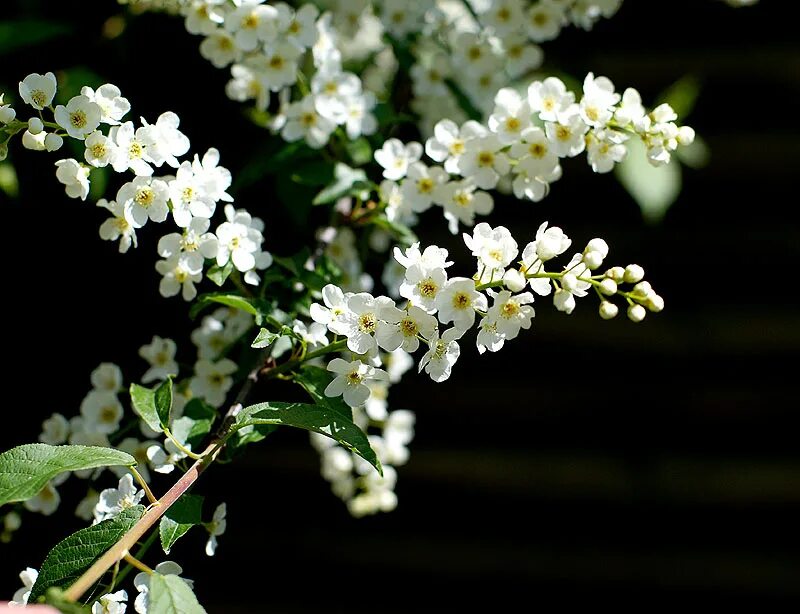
190 195
521 146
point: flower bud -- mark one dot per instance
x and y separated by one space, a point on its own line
569 281
655 303
643 290
34 142
7 115
35 125
593 259
608 310
514 280
597 245
564 301
616 273
636 313
608 287
685 135
633 273
53 142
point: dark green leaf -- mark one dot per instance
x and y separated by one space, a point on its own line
21 33
55 597
402 233
229 300
248 435
67 561
203 417
316 173
315 380
182 516
144 405
347 181
315 418
171 595
163 401
219 274
264 338
25 470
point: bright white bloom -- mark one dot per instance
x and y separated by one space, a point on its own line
549 98
163 460
108 377
333 313
301 28
462 202
534 153
101 411
448 142
567 135
458 301
38 90
35 125
494 248
511 116
239 239
304 122
425 274
442 354
507 315
216 179
147 197
252 23
544 20
114 500
55 430
131 151
395 157
180 273
7 112
113 107
220 49
314 334
164 142
401 329
53 142
599 99
572 285
604 149
246 84
277 67
360 322
216 528
483 162
111 603
332 88
212 380
34 142
79 118
189 196
630 110
194 241
28 577
142 584
521 55
120 225
358 118
74 176
99 149
160 355
203 16
350 380
419 185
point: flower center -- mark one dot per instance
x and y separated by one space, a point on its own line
367 322
563 133
409 327
39 98
187 194
512 124
537 150
510 309
539 19
462 199
456 148
98 150
461 300
486 158
353 378
250 21
427 288
144 197
276 62
425 186
308 119
134 150
77 118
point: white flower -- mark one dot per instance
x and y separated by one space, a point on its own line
203 16
332 314
511 116
350 380
38 90
246 84
216 528
163 460
304 122
120 225
332 88
193 241
220 49
510 313
458 301
189 196
163 140
142 584
251 23
55 430
79 118
357 119
630 110
277 67
53 142
239 239
495 248
425 275
216 179
448 142
401 329
160 355
418 187
549 98
180 273
360 322
462 202
395 157
113 500
504 16
521 55
46 500
442 354
34 142
483 162
101 411
314 334
534 153
301 28
74 176
28 577
604 149
131 151
567 135
111 603
544 21
7 112
107 376
113 107
99 149
212 380
599 98
399 17
147 197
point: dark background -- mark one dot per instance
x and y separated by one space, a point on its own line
588 462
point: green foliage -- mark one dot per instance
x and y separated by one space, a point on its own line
315 380
55 597
171 595
315 418
144 405
264 339
9 183
654 188
359 150
347 182
218 274
255 307
67 561
25 470
162 397
21 33
202 416
402 233
185 513
682 95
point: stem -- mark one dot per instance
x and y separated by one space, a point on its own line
181 447
139 554
132 560
150 497
336 346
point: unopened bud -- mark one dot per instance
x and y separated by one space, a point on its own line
593 259
7 115
685 135
597 245
608 310
655 303
35 125
608 287
633 273
53 142
514 280
636 313
570 282
642 290
33 141
616 273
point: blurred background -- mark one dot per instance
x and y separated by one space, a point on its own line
587 462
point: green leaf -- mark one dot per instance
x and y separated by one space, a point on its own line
654 188
144 405
202 416
401 232
315 173
264 338
695 155
55 597
315 418
171 595
315 380
229 300
219 274
182 516
682 95
346 181
25 470
9 183
162 398
21 33
67 561
248 435
360 151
